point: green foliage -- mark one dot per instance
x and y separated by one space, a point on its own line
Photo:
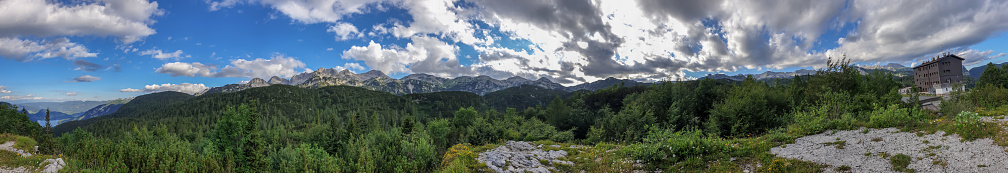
303 158
894 116
23 143
16 122
663 147
521 97
993 76
900 162
443 104
988 96
753 109
459 158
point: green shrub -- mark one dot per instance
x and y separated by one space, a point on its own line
665 147
988 96
753 109
900 162
969 126
459 158
894 116
564 136
809 122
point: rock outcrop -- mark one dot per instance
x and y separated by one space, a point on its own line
518 156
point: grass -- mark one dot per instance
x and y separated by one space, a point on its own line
839 144
843 168
900 162
22 143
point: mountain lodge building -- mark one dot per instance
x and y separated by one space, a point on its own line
937 75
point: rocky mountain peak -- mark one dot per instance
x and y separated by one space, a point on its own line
257 82
372 74
278 80
543 79
517 79
346 72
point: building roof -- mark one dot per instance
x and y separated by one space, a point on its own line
939 59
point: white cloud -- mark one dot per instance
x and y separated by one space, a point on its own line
3 89
187 88
84 78
976 57
157 54
26 97
186 69
126 19
217 5
27 50
353 66
72 93
423 55
345 31
278 65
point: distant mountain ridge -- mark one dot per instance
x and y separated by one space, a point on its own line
410 84
975 72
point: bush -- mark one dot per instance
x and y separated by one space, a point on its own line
459 158
665 147
753 109
900 162
809 122
988 96
894 116
564 136
969 126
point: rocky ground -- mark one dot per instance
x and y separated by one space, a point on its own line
47 166
518 156
868 151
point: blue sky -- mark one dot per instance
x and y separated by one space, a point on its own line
106 49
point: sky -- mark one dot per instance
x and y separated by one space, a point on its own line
107 49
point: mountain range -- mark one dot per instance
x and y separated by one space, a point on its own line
975 72
414 83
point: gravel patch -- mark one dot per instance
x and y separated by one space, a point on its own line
868 152
519 156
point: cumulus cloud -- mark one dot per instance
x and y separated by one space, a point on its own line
3 89
353 66
127 20
83 65
344 31
27 50
976 57
157 54
84 78
187 88
187 69
423 55
278 65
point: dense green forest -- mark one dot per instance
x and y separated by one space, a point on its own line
673 126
